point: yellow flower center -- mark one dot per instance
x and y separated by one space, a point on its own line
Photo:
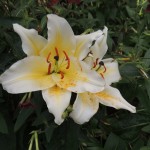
57 66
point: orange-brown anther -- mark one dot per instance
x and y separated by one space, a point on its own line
62 74
49 68
57 54
95 63
47 59
68 60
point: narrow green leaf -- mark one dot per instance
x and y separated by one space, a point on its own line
49 132
147 85
146 129
22 117
144 99
3 125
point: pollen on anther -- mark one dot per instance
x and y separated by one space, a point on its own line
67 59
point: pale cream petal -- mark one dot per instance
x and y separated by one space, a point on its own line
79 78
60 35
112 73
84 42
32 43
100 47
111 97
57 100
26 75
85 106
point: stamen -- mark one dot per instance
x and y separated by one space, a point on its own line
47 59
56 58
102 75
49 68
62 74
68 60
95 63
57 54
101 63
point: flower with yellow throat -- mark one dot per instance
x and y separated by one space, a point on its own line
52 66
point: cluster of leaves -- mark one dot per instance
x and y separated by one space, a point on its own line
31 126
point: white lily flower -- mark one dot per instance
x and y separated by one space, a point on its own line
51 66
86 104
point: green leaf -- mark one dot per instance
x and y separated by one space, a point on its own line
145 148
143 97
72 135
49 132
22 117
8 21
131 12
3 125
146 59
94 148
114 143
129 70
147 85
146 129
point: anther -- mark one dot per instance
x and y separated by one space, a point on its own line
62 74
57 54
68 60
49 68
56 58
101 63
95 63
47 59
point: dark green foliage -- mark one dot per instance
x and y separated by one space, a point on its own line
129 43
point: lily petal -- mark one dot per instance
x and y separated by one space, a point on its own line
100 47
32 43
60 35
84 42
85 106
26 75
79 78
111 97
57 101
112 73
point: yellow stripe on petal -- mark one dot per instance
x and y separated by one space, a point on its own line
60 35
29 74
78 78
111 97
57 100
85 106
